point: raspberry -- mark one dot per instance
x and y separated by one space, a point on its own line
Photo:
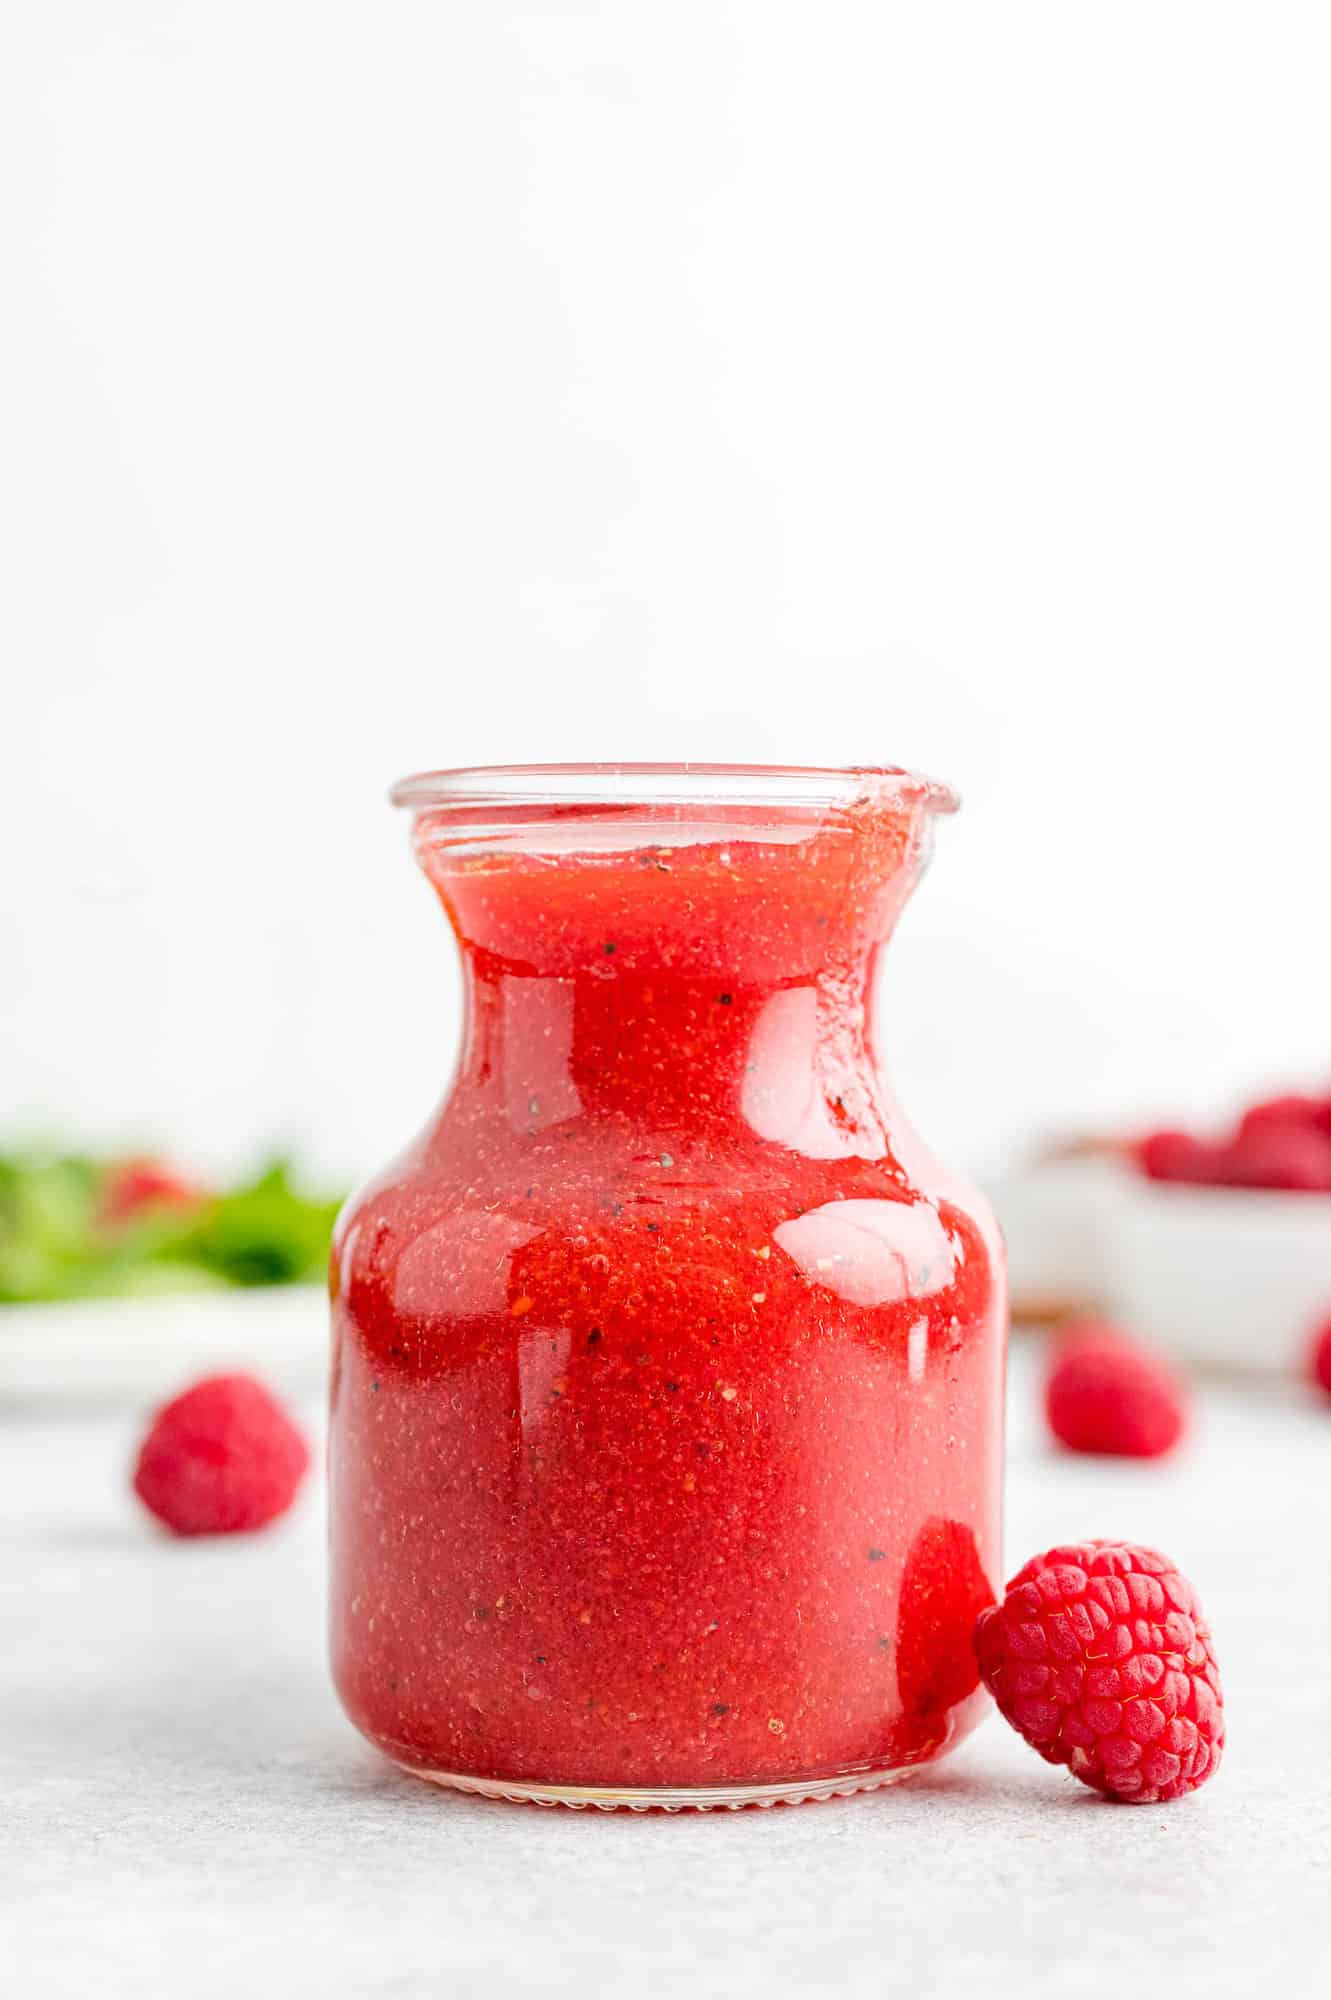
1319 1358
1103 1393
144 1184
1168 1156
1285 1144
1311 1114
1099 1656
1177 1156
221 1458
1279 1156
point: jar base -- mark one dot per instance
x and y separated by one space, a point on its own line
701 1798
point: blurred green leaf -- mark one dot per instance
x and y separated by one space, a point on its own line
264 1233
56 1243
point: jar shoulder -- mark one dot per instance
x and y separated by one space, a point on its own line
626 1227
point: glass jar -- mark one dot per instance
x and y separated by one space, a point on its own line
667 1365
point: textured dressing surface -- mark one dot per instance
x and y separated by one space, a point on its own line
188 1813
667 1374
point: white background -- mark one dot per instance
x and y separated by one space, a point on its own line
388 385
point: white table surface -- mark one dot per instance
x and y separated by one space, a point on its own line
184 1813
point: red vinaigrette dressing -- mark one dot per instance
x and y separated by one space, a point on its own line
667 1367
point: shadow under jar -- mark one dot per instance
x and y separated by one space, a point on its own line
667 1365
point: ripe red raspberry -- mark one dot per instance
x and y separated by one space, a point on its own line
1319 1358
1100 1657
1285 1144
145 1183
1103 1393
1177 1156
1279 1156
221 1458
1311 1114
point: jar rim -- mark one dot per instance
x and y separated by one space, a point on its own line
518 786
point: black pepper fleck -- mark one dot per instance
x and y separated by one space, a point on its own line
725 999
875 1555
609 950
374 1388
673 1388
720 1708
593 1336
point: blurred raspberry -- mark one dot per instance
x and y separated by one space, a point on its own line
1309 1114
145 1183
1105 1393
1319 1358
1099 1656
1177 1156
222 1458
1290 1157
1284 1144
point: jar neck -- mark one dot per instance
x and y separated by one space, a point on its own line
709 991
789 1061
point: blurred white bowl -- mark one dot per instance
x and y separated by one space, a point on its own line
1226 1278
1237 1278
1052 1217
143 1350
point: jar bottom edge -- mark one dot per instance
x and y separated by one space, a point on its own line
725 1798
